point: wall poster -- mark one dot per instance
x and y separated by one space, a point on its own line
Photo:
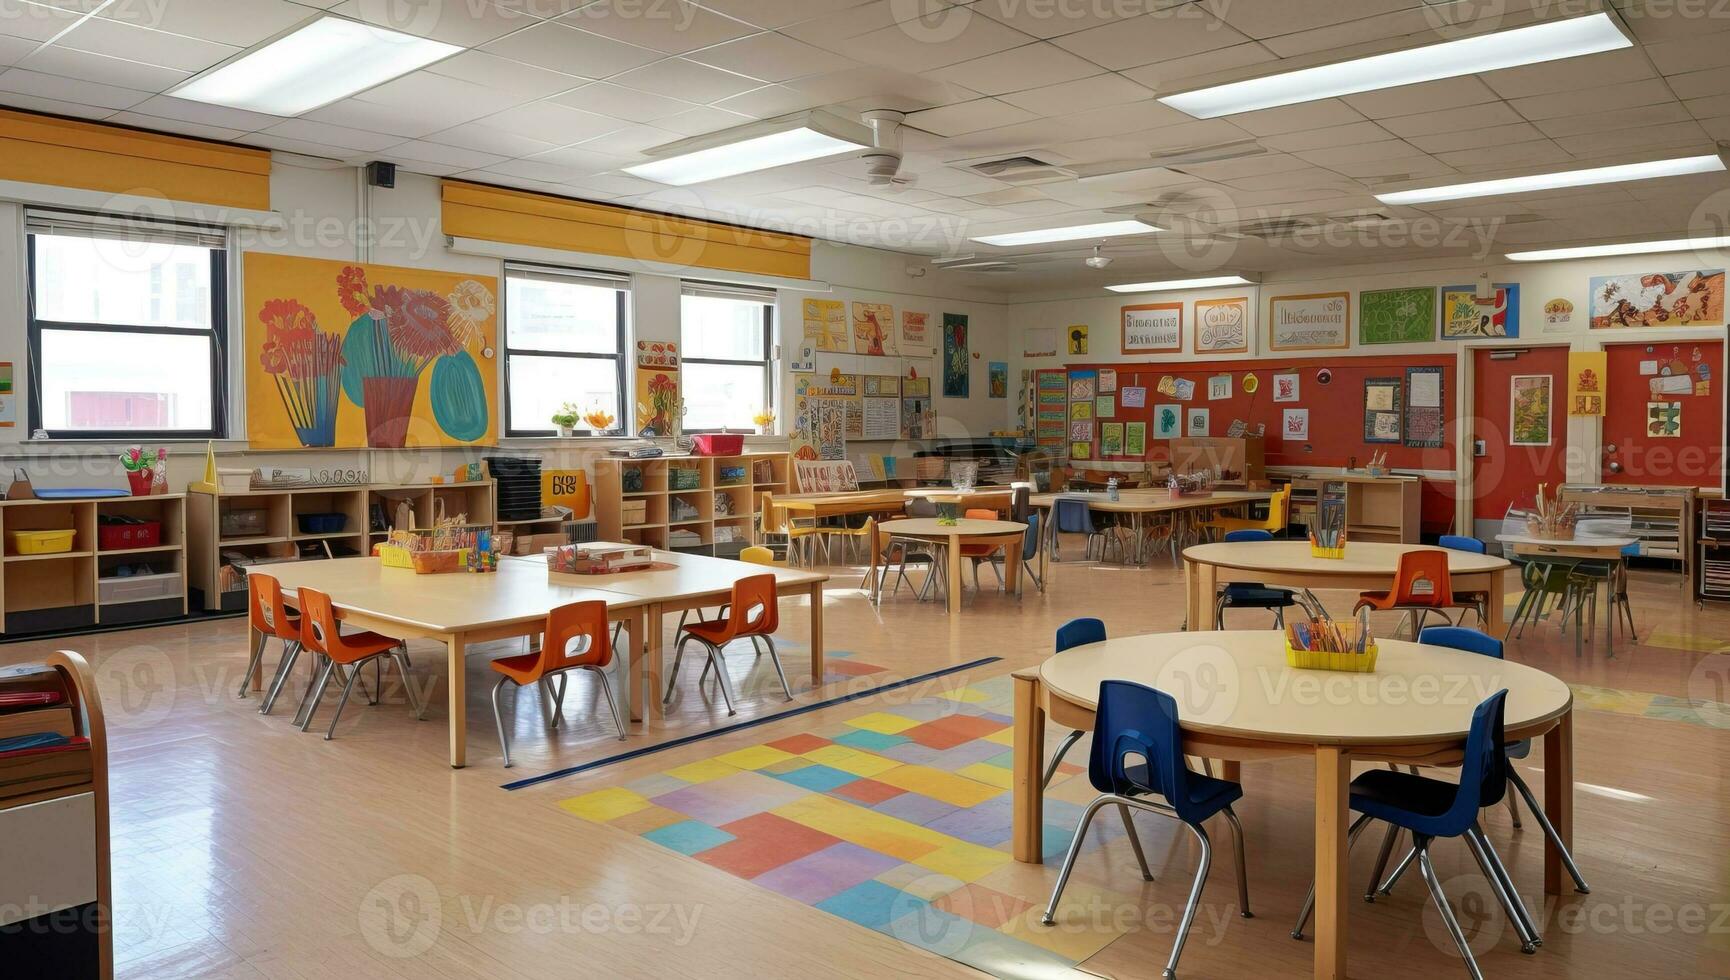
874 329
1314 321
955 358
916 334
1586 373
1051 408
1464 316
1152 327
1424 419
1397 316
1222 326
826 324
1529 410
1382 410
1659 299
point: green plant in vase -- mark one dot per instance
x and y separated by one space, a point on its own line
566 419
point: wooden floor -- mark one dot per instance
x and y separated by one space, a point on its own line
244 848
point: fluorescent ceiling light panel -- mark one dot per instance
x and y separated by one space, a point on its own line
1157 287
328 59
1625 248
1072 233
751 147
1678 167
1467 56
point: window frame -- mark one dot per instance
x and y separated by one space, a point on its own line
767 363
621 314
217 332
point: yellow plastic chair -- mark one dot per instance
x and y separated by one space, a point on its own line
759 555
1278 514
778 521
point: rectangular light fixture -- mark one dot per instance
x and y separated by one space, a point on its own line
1169 284
1072 233
753 146
1625 248
314 65
1549 41
1680 166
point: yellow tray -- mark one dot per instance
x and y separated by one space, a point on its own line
42 542
1318 660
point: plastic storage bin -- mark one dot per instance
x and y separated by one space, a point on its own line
120 534
321 523
243 523
41 542
719 444
138 588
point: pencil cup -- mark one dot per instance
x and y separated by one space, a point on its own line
1323 552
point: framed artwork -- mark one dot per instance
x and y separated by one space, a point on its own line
1397 316
1529 410
1313 321
1463 317
1076 338
1221 326
825 324
1167 421
1659 299
874 329
955 357
1152 327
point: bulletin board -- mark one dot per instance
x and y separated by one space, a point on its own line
1336 436
1694 455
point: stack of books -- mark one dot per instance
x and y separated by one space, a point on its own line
38 748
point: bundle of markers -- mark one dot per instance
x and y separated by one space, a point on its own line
1329 636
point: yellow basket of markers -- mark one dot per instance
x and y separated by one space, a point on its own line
1322 644
1331 545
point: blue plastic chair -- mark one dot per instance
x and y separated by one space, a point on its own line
1253 595
1432 808
1074 517
1136 721
1030 551
1459 542
1075 633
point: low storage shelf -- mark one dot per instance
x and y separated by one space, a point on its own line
124 562
706 505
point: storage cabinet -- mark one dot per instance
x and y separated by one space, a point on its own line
1233 462
701 504
64 587
1378 508
1661 517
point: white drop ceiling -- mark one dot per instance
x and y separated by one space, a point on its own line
558 95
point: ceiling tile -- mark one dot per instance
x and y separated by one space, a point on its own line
486 139
1709 108
629 140
556 124
206 114
1643 138
163 125
771 57
1085 93
1416 20
13 49
1348 134
458 100
533 170
20 19
774 14
242 23
669 26
1049 20
677 78
505 75
303 147
566 49
1272 18
769 100
1540 153
1291 118
702 119
1690 53
968 117
921 45
1572 74
871 87
451 156
1404 100
1625 96
619 102
331 135
462 22
829 29
82 65
55 87
408 122
1608 121
1177 74
1018 69
117 40
31 103
1178 33
1450 120
579 159
1476 137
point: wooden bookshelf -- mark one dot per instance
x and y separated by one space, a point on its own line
87 585
1662 518
1378 508
696 504
55 877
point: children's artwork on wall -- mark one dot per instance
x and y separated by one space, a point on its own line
1218 387
1167 421
1295 424
874 329
1076 338
1081 411
1183 389
918 420
1111 439
1664 420
1464 317
1197 427
997 379
346 355
1382 410
1152 327
1397 316
805 359
1082 385
657 401
1286 387
1314 321
1587 371
1424 418
1051 408
1135 439
657 353
955 360
1222 326
916 334
1107 380
1659 299
826 324
1529 410
1134 396
1104 406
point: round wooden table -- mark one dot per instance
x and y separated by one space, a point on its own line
1005 534
1367 565
1238 701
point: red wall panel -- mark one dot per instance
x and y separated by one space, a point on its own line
1695 457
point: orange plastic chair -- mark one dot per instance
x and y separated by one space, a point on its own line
321 634
1421 585
582 624
982 553
753 611
269 617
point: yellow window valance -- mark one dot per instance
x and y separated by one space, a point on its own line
545 221
113 159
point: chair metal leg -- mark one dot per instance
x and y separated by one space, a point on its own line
400 655
1550 832
1242 864
499 721
341 703
1062 748
612 706
1511 800
1135 842
1050 916
290 653
253 664
725 682
314 695
545 687
1429 872
1219 612
1357 828
1388 841
1503 887
673 675
1189 909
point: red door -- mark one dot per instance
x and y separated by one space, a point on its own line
1676 380
1504 473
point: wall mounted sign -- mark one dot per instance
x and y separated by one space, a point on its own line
1314 321
1222 326
1152 327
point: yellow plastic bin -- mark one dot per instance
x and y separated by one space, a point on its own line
42 542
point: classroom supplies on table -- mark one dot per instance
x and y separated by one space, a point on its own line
598 558
1329 644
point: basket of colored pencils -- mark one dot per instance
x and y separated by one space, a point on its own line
1328 542
1326 644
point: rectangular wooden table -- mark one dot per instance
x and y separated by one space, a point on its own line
1137 503
458 609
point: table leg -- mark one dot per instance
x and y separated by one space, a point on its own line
1199 580
1333 794
1231 770
1029 797
871 573
654 658
1012 569
1559 797
1493 624
637 668
953 560
817 634
457 684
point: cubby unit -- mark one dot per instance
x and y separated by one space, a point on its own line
64 589
1378 508
702 504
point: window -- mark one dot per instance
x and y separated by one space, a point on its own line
725 336
564 342
127 327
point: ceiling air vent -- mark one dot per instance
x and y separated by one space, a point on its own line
1021 169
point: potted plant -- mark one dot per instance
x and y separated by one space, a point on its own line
765 422
566 419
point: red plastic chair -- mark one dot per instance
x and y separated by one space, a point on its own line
753 611
983 553
269 616
1421 586
321 634
579 624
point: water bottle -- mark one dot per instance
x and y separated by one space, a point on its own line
1111 488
